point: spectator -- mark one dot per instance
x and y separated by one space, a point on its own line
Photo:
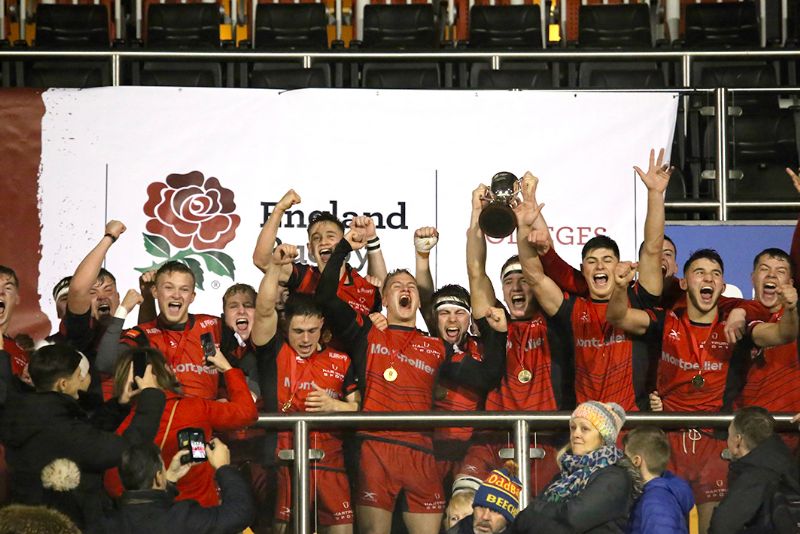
148 506
48 424
460 504
185 412
597 485
760 462
495 505
25 519
666 500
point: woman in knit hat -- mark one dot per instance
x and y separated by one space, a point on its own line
597 486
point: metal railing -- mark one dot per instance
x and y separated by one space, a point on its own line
520 423
722 96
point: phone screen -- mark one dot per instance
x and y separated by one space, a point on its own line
198 448
207 341
193 440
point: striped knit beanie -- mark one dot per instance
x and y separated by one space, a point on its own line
607 418
500 492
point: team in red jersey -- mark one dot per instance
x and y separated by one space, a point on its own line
298 374
697 363
13 359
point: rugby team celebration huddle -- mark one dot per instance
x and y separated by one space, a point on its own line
152 428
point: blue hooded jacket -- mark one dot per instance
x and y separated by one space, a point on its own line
663 507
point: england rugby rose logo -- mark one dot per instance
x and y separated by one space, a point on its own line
195 215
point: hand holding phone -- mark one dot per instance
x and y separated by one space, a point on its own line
209 348
193 440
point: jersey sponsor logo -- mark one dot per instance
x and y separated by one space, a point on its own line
534 343
151 331
674 335
585 318
208 322
194 368
306 386
370 496
693 366
593 342
366 290
377 348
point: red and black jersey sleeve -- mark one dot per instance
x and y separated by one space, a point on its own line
754 310
267 363
347 325
135 337
563 274
78 330
479 374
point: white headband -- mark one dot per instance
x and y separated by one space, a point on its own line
515 267
450 301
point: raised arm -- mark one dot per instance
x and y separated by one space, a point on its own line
109 347
269 232
425 239
549 296
656 180
347 325
79 298
795 250
785 330
619 313
376 265
480 286
265 323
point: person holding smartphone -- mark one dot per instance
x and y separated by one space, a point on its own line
185 412
149 502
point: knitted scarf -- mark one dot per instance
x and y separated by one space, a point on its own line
576 470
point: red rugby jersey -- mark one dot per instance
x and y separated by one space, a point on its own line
453 397
531 345
18 358
772 377
354 289
415 357
689 350
183 351
289 379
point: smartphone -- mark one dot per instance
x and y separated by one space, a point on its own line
209 349
193 440
139 365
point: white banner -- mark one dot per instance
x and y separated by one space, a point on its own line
410 158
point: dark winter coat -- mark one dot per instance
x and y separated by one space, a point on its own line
601 508
752 482
663 507
41 427
155 512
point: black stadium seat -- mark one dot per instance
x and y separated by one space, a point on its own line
505 27
615 26
72 26
291 26
183 26
726 25
401 76
289 76
598 75
400 27
512 76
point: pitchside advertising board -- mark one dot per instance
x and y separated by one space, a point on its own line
194 173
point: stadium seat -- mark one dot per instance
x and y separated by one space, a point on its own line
400 27
401 76
68 27
512 76
615 26
621 75
726 25
506 27
289 76
290 26
182 27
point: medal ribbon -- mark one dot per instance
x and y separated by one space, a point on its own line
697 352
294 381
406 343
519 354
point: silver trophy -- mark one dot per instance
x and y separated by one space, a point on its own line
498 219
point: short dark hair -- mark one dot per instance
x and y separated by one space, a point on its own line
300 305
451 290
778 254
51 363
139 466
396 272
755 424
102 274
704 253
652 444
175 266
8 271
324 216
600 241
247 289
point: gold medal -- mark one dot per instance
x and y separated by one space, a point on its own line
390 375
286 406
524 376
698 381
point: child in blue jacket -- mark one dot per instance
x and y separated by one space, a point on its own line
664 506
